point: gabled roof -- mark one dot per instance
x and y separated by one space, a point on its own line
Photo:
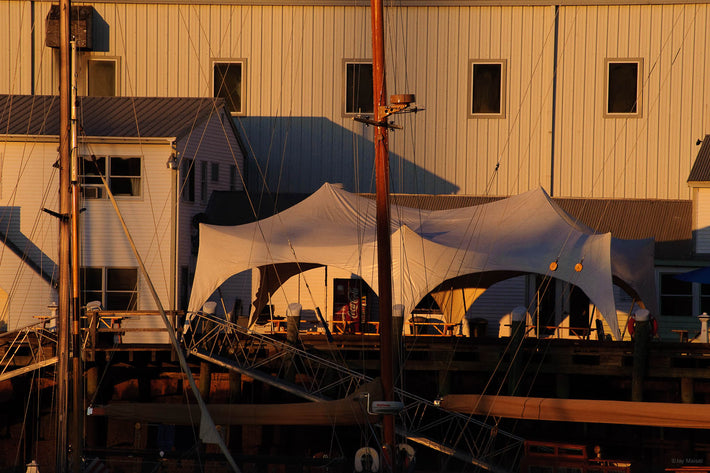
701 168
107 116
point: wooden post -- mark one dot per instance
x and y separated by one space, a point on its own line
641 339
687 390
205 380
518 321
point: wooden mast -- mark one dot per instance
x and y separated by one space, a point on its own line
69 433
63 321
384 252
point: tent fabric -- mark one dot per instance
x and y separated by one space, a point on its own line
520 234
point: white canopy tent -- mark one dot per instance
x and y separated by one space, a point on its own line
477 246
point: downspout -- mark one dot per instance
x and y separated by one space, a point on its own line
172 165
554 101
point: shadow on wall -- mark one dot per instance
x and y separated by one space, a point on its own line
299 154
12 237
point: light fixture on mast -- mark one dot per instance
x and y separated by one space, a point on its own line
399 103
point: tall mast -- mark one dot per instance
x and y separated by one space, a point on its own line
63 322
384 252
69 430
77 430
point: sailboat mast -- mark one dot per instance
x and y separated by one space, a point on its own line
77 434
384 252
63 321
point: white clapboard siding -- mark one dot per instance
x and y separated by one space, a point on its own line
28 183
148 218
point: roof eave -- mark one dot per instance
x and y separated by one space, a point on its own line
151 140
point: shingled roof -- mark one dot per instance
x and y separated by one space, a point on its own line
107 116
701 168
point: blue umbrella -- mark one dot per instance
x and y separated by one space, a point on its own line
701 275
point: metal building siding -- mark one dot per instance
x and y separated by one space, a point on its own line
15 45
646 157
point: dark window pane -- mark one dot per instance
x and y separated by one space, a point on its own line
102 78
623 87
88 168
90 296
228 84
125 166
188 176
676 296
486 88
91 279
215 171
358 89
120 301
118 279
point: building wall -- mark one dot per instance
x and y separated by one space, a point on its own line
212 143
293 122
28 183
646 157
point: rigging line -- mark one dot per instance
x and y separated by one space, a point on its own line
525 96
171 332
651 105
36 222
623 128
19 50
25 417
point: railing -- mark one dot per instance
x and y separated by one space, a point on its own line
28 348
317 379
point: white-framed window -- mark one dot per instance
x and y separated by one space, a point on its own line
229 82
623 88
487 85
358 98
115 288
102 77
677 298
123 174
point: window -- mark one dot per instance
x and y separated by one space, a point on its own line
116 288
676 295
203 180
122 173
623 88
228 83
358 88
101 77
487 89
232 177
215 172
188 180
